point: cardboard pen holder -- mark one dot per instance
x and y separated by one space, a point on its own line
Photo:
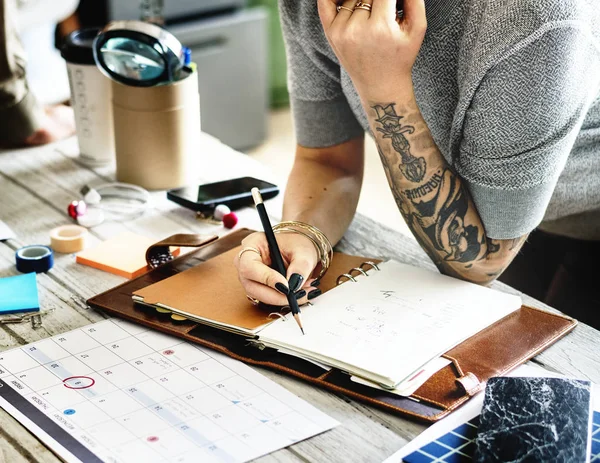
156 132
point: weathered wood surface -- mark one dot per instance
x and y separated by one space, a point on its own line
37 184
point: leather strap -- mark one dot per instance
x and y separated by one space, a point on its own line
159 253
470 384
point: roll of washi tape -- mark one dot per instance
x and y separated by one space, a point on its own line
68 238
35 258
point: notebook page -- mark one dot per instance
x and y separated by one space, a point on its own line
388 324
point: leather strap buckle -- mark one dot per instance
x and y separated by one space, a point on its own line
469 383
159 253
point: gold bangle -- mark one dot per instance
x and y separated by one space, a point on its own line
323 264
324 257
321 237
324 245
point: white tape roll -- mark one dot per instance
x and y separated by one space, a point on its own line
68 238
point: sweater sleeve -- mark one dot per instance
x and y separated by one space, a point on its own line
322 115
522 124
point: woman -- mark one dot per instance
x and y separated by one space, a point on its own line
475 122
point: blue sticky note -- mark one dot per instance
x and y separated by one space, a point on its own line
19 294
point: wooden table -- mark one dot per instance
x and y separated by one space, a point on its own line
36 185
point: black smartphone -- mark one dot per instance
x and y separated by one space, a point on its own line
234 193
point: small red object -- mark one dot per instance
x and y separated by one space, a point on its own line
76 209
72 209
230 220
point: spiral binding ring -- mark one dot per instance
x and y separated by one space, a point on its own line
344 275
358 269
276 314
371 264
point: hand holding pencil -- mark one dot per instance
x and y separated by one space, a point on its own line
265 284
276 257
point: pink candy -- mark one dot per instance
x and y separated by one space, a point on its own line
76 209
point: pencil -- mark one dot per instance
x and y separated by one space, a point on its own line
276 259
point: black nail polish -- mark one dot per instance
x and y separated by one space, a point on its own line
300 294
283 289
315 283
295 282
314 293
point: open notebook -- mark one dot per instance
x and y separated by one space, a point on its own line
210 293
383 327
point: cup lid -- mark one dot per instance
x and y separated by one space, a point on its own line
78 46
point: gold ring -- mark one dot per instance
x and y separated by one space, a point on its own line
249 248
253 300
363 6
341 7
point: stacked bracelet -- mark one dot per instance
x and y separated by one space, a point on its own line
318 238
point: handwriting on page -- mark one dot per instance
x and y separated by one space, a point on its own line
378 320
392 322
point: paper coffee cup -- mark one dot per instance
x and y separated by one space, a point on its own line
90 98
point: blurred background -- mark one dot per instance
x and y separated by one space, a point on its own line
240 55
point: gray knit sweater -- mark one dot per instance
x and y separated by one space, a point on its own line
510 90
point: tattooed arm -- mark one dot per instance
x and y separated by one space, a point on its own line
379 51
432 198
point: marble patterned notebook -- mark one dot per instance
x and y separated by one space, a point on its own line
535 419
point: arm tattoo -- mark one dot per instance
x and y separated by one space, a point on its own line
411 167
441 220
438 209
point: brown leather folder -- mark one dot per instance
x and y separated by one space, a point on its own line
492 352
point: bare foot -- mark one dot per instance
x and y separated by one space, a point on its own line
58 123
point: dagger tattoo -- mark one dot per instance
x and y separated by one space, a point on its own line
412 168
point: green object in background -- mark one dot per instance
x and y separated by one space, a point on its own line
277 58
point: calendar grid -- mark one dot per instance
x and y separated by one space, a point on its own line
458 445
121 388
